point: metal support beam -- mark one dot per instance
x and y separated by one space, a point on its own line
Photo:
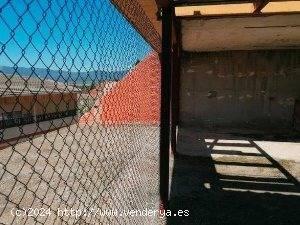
166 70
259 5
209 2
163 3
175 84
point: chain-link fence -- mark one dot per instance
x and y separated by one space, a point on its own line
79 114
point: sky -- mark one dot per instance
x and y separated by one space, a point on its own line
72 35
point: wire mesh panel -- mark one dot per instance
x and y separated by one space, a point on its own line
79 115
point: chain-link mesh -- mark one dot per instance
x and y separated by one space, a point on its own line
79 115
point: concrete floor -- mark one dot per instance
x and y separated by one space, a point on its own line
236 178
220 177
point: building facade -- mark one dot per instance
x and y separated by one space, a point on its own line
25 100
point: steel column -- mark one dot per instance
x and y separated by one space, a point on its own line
175 85
166 70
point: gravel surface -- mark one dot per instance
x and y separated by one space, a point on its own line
81 167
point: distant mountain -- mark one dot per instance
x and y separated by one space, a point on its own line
66 76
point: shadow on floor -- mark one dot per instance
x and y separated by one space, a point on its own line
237 184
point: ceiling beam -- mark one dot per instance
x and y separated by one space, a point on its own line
197 17
259 5
163 3
208 2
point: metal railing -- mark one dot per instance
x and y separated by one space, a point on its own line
18 121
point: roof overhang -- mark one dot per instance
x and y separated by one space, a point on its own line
142 14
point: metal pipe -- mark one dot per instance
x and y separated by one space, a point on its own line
175 85
166 69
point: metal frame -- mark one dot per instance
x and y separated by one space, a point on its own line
176 59
208 17
220 2
170 81
165 116
208 2
170 74
258 6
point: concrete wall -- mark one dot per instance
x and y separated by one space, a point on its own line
253 89
55 103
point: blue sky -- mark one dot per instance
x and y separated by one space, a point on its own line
78 35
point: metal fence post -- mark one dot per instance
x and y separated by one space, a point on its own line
166 69
175 80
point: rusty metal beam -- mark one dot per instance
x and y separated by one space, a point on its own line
136 15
